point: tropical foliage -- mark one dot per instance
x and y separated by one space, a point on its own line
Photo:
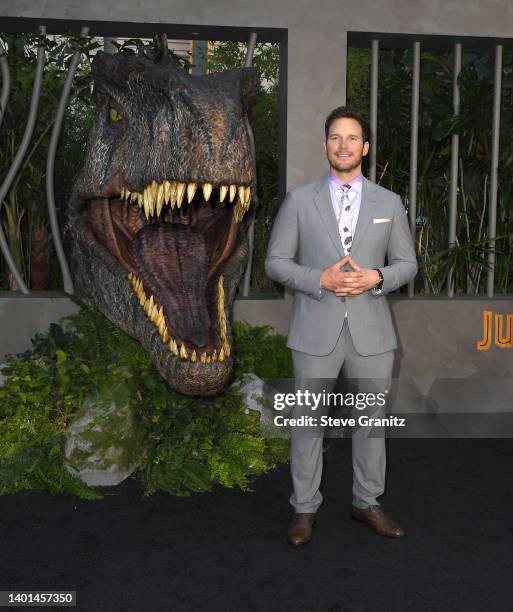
436 125
23 213
192 443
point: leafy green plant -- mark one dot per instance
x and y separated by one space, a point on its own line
468 259
192 443
23 214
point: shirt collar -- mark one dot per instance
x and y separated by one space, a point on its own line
356 183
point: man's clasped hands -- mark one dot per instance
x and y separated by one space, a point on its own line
351 282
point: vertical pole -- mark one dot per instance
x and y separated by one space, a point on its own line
373 109
108 44
455 144
199 56
414 146
18 159
492 210
50 161
6 81
251 230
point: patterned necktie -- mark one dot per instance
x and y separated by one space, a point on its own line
344 219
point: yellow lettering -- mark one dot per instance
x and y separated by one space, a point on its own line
486 341
507 340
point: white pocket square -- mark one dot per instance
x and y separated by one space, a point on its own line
381 220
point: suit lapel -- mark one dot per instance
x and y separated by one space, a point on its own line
365 214
322 200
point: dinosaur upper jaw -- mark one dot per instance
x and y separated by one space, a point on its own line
173 239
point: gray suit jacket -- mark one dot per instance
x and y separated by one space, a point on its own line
305 240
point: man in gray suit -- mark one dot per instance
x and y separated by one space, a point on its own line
341 243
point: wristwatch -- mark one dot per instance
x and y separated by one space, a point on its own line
378 289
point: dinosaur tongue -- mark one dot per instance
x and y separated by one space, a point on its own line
172 263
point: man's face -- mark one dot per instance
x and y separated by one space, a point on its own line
344 146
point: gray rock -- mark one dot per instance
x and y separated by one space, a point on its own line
259 395
104 444
2 377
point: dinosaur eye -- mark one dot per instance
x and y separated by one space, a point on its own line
114 115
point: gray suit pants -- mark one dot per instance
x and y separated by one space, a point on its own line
369 374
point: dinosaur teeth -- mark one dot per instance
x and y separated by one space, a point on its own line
207 191
154 191
160 199
191 190
162 328
146 202
243 203
152 196
242 194
174 190
155 314
221 319
155 196
167 191
180 191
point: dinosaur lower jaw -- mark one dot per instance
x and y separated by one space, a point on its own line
173 258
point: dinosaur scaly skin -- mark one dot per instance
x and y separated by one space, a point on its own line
157 218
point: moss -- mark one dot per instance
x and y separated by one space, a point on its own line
105 433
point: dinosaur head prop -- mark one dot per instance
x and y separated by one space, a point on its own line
156 220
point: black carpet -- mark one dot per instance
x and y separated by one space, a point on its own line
227 551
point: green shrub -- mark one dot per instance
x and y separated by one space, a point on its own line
192 443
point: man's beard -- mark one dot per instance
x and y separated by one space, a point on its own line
340 168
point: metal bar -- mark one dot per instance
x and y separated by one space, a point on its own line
492 209
246 283
6 81
250 51
373 109
50 161
455 151
11 174
108 45
414 147
199 55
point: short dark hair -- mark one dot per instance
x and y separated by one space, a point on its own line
351 113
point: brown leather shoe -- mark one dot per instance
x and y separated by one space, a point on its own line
300 528
378 520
